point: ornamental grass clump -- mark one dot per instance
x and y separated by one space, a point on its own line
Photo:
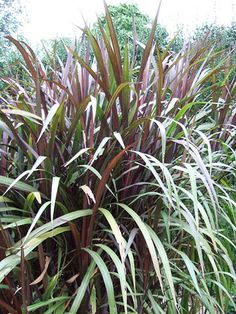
117 182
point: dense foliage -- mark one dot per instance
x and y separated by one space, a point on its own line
9 16
132 26
118 181
223 37
10 22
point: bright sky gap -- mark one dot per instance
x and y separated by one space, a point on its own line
52 18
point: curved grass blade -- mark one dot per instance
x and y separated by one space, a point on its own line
146 234
106 278
83 287
121 272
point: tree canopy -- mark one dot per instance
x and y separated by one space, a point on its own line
127 20
9 16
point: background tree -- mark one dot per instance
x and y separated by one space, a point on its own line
219 37
10 11
224 37
10 22
127 19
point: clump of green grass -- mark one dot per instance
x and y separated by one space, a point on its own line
118 182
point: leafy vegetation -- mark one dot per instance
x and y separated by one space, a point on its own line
10 22
132 25
118 181
10 11
222 36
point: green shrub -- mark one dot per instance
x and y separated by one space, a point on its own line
118 183
132 26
